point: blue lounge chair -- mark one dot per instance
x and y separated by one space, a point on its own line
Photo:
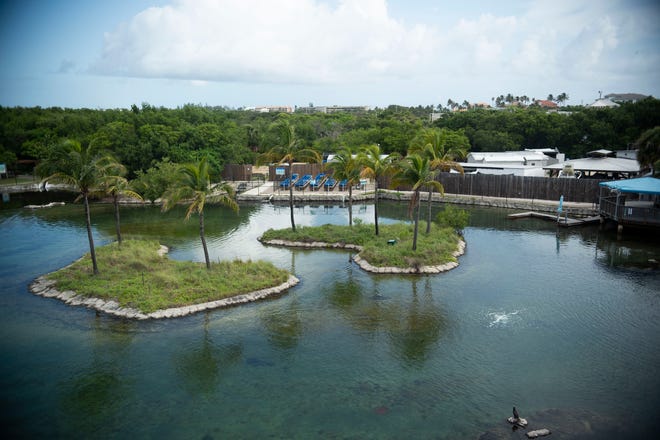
330 184
317 182
288 181
303 181
343 184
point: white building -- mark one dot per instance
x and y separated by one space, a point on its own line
519 163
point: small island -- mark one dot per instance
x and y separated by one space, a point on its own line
388 252
136 280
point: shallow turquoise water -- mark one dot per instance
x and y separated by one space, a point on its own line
531 318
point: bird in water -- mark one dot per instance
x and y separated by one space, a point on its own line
516 417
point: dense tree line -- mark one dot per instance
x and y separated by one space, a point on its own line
143 137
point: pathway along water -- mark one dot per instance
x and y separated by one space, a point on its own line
563 325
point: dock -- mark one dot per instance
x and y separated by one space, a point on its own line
563 221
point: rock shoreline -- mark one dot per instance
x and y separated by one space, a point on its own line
42 286
365 265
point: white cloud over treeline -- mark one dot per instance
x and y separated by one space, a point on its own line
314 41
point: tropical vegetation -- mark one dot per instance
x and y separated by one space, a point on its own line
392 248
346 167
144 136
194 187
287 150
82 167
375 166
135 276
443 148
417 172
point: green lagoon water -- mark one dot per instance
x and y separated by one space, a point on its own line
565 326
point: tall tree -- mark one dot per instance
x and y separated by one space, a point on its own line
288 149
443 148
82 167
118 186
561 98
375 165
345 166
194 186
648 146
416 171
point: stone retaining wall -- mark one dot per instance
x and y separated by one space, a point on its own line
47 288
365 265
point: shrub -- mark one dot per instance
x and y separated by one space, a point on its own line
453 217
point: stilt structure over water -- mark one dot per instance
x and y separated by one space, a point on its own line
634 202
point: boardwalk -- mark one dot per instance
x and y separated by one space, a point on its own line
561 221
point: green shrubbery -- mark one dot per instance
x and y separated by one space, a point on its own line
433 249
135 276
452 217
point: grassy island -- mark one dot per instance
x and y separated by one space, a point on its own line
391 248
136 276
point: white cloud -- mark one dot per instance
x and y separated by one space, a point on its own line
534 48
304 41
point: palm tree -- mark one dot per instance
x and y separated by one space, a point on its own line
117 186
82 167
345 166
288 150
648 149
416 171
374 165
195 188
442 147
561 98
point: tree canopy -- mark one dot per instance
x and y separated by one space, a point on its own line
145 135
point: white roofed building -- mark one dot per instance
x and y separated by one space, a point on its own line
519 163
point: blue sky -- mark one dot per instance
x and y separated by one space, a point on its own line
236 53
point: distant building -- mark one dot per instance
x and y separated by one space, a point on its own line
626 97
603 103
334 109
544 103
273 109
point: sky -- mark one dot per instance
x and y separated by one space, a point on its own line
246 53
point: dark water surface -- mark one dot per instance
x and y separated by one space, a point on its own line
564 326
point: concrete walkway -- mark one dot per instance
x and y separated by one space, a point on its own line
266 193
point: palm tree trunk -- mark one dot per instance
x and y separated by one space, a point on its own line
350 204
92 253
428 222
201 235
416 229
376 204
293 223
117 228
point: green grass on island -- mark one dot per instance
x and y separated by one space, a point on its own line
433 249
135 275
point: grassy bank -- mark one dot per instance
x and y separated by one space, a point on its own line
433 249
136 276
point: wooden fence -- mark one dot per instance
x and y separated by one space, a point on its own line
516 187
298 168
233 172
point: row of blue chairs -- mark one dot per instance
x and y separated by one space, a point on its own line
315 184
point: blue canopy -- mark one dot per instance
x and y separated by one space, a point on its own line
642 185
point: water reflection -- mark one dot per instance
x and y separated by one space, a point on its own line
95 395
627 251
284 326
200 365
415 331
349 354
412 321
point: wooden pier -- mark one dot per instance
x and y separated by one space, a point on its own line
563 221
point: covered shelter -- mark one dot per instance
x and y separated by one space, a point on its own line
600 167
631 202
